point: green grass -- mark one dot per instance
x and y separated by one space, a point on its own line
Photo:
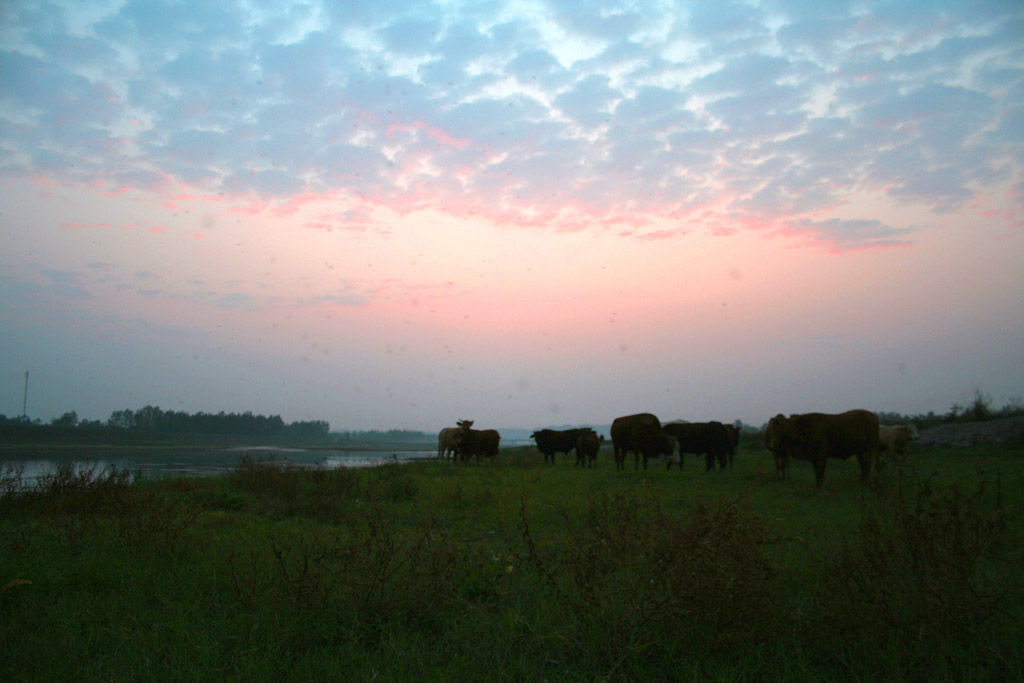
516 570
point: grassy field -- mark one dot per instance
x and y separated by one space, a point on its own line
515 570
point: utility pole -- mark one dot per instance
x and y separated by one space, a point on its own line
24 401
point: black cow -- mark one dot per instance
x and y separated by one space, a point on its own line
587 446
641 434
551 441
708 438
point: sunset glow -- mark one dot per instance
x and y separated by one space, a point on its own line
522 214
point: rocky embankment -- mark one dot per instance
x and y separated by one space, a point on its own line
972 433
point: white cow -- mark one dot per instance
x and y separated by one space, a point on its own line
446 442
893 439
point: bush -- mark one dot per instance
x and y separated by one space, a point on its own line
283 488
370 574
910 589
641 583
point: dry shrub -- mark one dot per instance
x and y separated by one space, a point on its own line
84 488
371 570
521 458
12 482
390 481
641 582
917 588
157 521
85 501
328 494
288 489
76 497
479 497
267 477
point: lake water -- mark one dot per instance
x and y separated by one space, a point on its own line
153 463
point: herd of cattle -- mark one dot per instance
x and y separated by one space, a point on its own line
814 437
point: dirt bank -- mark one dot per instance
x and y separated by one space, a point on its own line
973 433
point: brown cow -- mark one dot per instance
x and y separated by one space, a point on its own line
816 437
893 439
588 443
475 442
771 442
641 434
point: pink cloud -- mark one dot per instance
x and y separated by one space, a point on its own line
443 137
434 133
353 221
294 204
660 235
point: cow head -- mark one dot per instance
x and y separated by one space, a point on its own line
464 424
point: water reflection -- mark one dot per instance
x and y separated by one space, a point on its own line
155 465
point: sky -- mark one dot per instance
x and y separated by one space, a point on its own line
402 214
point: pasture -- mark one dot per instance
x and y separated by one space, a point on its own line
519 570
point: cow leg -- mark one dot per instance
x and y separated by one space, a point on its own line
781 466
819 470
864 459
709 462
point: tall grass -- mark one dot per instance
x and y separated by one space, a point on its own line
516 571
634 582
921 582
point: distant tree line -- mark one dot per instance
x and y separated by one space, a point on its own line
153 419
978 409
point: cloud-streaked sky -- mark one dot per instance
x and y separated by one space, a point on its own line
400 214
